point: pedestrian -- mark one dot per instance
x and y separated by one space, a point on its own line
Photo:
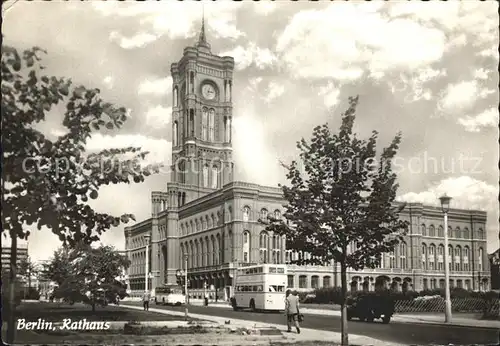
292 310
145 300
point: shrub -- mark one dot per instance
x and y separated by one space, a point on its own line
32 294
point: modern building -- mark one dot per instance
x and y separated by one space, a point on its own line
22 255
208 222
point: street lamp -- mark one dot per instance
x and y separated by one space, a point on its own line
183 272
445 206
147 237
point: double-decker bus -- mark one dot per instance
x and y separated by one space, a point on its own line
260 287
170 295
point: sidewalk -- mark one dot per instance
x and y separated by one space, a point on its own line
429 318
306 335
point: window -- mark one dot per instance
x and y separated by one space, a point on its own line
440 232
423 230
440 254
205 176
211 125
315 281
466 234
215 177
246 246
175 134
263 213
302 281
432 231
433 284
424 256
441 283
227 129
450 232
467 284
276 249
480 234
290 281
204 124
458 233
480 260
460 284
465 258
425 284
450 254
402 255
263 244
246 213
432 256
277 214
392 260
327 281
458 258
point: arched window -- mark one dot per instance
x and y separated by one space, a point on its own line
215 177
450 232
432 256
402 255
480 234
440 258
211 125
204 124
465 258
175 134
480 260
326 281
458 258
263 244
423 230
466 234
458 232
432 231
227 129
246 246
205 176
392 260
424 256
277 214
175 96
450 254
263 214
246 213
276 249
440 232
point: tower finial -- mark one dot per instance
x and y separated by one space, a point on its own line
202 40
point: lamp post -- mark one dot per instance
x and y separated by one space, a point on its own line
186 277
445 206
147 237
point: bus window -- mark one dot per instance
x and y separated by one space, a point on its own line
281 270
276 288
272 270
260 288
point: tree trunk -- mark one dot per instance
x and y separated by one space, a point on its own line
343 309
11 328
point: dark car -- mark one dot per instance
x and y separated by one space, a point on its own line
369 307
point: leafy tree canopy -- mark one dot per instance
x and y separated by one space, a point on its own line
46 182
341 194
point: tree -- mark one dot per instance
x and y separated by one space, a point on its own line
49 182
27 269
91 274
341 207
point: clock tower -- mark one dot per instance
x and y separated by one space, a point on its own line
201 123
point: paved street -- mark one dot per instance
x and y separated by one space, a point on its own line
404 333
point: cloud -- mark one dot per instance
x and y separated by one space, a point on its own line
467 193
344 50
274 90
488 118
108 82
136 41
158 117
251 55
462 95
330 94
159 87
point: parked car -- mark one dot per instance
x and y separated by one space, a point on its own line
368 307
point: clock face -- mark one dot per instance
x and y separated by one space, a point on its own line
208 91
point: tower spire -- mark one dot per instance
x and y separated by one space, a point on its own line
202 39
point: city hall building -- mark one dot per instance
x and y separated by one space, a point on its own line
208 221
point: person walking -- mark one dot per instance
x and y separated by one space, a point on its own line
145 300
292 310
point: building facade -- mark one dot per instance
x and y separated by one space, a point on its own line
208 222
22 255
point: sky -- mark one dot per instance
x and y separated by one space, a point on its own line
428 69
